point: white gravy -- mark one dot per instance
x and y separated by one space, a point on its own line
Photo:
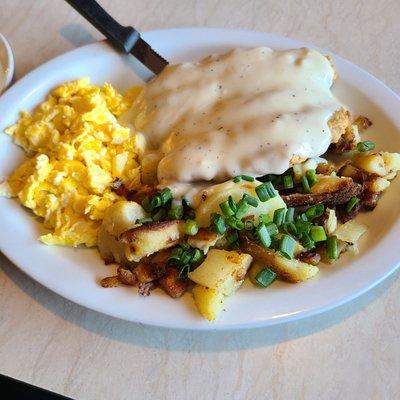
248 111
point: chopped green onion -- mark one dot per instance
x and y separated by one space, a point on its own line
289 217
264 219
302 217
263 235
191 227
197 256
367 145
144 220
247 178
305 184
288 182
175 256
218 224
226 208
265 277
315 211
156 201
176 212
332 248
237 179
311 176
287 246
232 238
307 242
290 228
318 233
185 257
279 216
159 215
232 203
184 271
352 203
266 191
272 229
242 208
250 200
146 204
235 223
166 196
248 224
302 226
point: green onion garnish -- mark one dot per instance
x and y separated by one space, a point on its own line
272 229
237 179
166 196
305 184
264 219
159 215
288 182
146 204
156 202
232 238
265 277
175 256
332 248
185 257
247 178
263 235
226 208
365 146
311 176
242 208
144 220
287 246
279 216
191 227
197 256
289 214
235 223
218 223
307 242
250 200
315 211
290 228
318 233
352 203
176 212
266 191
302 226
302 217
232 203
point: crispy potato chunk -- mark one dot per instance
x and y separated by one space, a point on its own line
150 238
172 284
203 240
338 123
222 270
289 270
110 281
126 277
209 301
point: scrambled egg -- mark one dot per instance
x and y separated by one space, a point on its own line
77 149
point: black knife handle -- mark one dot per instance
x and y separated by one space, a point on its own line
124 37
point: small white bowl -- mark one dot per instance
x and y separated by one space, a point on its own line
6 63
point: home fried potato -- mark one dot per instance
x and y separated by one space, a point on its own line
209 301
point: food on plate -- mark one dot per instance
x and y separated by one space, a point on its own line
243 164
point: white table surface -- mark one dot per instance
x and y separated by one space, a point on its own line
352 352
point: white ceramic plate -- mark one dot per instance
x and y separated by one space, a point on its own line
74 273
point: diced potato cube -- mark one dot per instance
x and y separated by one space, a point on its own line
213 196
350 232
372 163
222 270
379 184
392 161
150 238
209 301
203 239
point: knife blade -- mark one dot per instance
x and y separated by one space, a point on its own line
125 38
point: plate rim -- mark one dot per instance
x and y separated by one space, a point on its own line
280 319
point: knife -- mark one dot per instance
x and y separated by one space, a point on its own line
125 38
